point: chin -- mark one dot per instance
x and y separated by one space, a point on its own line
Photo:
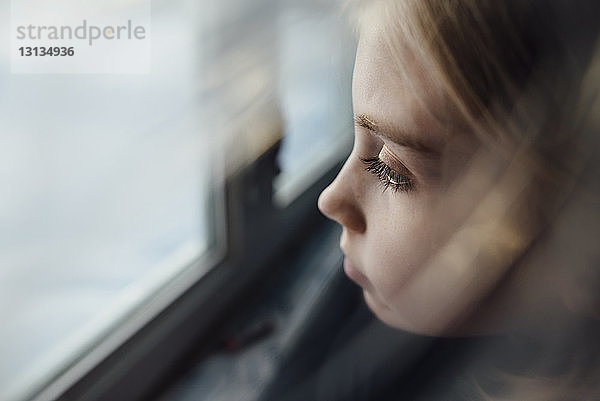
393 319
418 323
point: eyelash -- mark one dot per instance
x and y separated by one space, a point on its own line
389 177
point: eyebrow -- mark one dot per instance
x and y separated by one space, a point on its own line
397 136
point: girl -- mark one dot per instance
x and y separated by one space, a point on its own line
469 203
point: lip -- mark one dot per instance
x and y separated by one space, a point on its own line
353 273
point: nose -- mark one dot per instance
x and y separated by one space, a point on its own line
340 201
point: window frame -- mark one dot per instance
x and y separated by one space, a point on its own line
149 347
148 350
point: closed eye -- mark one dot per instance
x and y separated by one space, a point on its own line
389 177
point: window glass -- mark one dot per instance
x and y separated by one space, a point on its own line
316 58
109 180
106 196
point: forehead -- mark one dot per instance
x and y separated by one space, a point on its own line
398 85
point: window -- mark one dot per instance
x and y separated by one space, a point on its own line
109 196
314 87
114 181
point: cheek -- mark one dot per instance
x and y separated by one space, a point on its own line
393 259
409 289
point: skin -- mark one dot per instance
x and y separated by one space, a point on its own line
426 257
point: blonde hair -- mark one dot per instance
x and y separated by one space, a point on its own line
525 72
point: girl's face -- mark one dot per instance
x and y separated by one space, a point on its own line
396 196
